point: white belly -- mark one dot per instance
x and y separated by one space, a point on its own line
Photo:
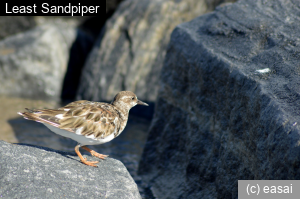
90 140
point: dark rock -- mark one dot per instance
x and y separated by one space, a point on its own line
129 52
229 103
35 172
33 63
111 5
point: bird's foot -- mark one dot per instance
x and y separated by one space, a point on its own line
98 155
89 163
94 153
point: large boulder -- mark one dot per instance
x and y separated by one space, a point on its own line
38 172
130 50
33 63
228 107
39 54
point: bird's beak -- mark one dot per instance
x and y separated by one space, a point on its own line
142 103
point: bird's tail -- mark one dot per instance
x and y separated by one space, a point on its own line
39 116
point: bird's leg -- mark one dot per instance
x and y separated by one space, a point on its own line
83 160
94 153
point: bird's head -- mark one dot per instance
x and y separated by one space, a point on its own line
126 100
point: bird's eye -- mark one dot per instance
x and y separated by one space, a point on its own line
133 98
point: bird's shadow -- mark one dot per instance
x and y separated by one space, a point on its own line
34 133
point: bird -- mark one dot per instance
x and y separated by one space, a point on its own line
88 122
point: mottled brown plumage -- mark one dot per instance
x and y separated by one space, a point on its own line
88 122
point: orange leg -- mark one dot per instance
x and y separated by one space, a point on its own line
83 160
94 153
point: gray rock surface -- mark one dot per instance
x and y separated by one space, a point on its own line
130 51
33 63
229 103
11 25
37 172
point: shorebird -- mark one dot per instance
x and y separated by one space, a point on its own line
87 122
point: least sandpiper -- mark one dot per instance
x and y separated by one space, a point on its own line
88 123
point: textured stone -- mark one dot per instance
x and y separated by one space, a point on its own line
130 51
33 63
11 25
35 172
228 107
